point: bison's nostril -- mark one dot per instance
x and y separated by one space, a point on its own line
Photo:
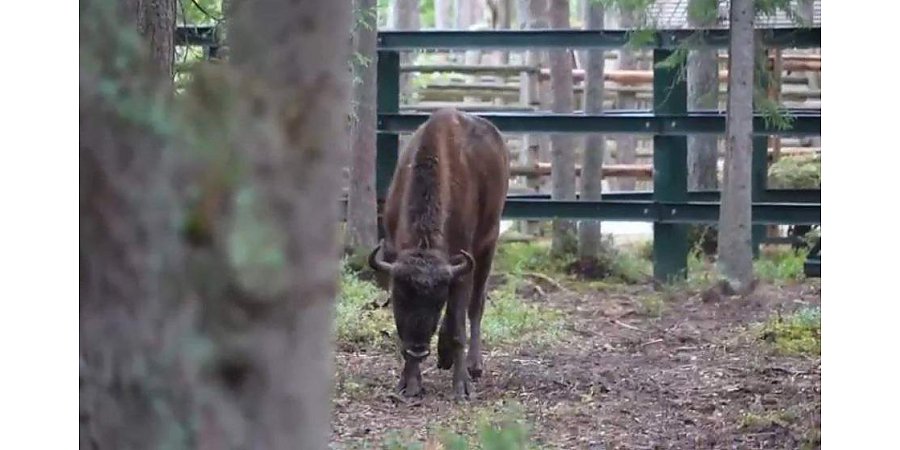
418 352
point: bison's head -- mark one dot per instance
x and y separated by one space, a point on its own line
420 285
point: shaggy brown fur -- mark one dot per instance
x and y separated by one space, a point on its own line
444 202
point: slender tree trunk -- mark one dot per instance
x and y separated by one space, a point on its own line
531 16
703 93
405 16
806 12
626 144
735 248
444 14
362 209
562 145
589 237
502 20
155 22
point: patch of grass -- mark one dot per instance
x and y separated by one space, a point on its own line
812 440
651 305
799 333
620 265
768 419
361 323
644 249
702 273
780 264
507 319
491 428
630 267
518 257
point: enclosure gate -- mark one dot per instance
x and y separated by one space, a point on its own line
670 207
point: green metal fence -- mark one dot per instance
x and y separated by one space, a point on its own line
670 207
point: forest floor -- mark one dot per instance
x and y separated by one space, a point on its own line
627 367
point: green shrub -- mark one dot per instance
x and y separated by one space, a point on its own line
799 333
796 172
361 323
780 264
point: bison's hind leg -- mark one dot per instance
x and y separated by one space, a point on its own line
474 359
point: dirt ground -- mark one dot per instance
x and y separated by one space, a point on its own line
695 377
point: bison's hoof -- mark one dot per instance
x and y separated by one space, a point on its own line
475 372
411 392
463 391
410 389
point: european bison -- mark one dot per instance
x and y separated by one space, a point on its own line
442 221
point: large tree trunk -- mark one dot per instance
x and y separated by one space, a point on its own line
589 237
405 16
297 111
703 93
129 257
562 145
362 208
735 248
626 144
238 357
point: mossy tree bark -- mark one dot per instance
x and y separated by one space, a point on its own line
703 94
735 249
362 208
221 339
562 145
589 236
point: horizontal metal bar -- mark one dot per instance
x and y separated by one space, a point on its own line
599 39
204 35
200 36
636 211
633 123
770 195
792 196
648 211
763 213
813 268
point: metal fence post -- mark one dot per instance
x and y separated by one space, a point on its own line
759 176
388 101
670 244
759 165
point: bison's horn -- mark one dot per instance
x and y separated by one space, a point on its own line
377 263
460 268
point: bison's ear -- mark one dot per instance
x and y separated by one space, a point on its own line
461 264
376 263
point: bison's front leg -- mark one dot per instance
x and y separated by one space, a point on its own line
455 338
411 379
